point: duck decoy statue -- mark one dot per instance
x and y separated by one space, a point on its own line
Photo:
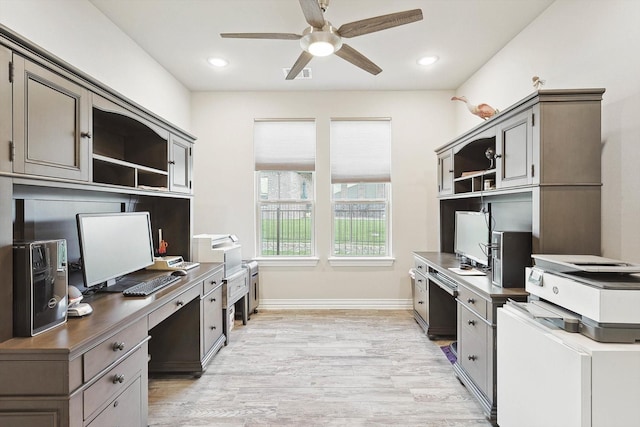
484 111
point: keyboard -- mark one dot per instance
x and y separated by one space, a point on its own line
143 289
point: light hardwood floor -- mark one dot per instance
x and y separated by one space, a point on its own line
320 368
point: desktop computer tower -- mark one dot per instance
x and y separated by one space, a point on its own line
40 293
510 254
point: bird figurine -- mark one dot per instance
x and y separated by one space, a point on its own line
484 111
537 82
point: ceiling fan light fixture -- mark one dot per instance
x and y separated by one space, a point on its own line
321 43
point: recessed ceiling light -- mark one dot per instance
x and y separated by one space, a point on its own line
218 62
427 60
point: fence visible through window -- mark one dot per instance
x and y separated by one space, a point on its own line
360 229
286 229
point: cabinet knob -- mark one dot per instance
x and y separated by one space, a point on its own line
213 328
179 303
420 302
115 404
212 300
450 170
118 378
85 134
171 162
497 156
118 346
471 322
472 357
471 301
213 282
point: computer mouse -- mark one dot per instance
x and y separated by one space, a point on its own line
179 273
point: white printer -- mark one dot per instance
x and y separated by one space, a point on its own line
218 248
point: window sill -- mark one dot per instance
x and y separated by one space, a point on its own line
361 261
287 261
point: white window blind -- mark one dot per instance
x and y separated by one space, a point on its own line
284 145
360 150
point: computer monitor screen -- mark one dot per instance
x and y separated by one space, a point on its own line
113 245
472 233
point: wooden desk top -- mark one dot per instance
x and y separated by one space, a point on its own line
111 313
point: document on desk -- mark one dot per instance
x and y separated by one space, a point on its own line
467 272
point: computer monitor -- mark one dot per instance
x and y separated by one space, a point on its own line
113 245
472 233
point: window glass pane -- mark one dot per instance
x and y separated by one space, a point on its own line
360 191
360 229
285 185
286 229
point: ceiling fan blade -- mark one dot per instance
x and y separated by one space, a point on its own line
312 13
274 36
302 60
378 23
349 54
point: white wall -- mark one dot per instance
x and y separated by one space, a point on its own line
224 185
78 33
573 44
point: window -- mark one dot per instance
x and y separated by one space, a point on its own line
361 179
285 165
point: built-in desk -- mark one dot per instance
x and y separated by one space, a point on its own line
477 304
93 370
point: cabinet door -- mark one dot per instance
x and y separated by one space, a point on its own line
6 142
180 164
51 123
445 172
537 368
514 151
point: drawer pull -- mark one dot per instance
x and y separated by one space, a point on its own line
471 322
419 267
213 328
213 282
85 135
115 404
118 346
118 378
212 300
472 357
420 302
179 303
471 301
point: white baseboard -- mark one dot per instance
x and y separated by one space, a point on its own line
355 304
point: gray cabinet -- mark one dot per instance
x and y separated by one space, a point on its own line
6 129
180 164
50 123
445 172
514 153
212 323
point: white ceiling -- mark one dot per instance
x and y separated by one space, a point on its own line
182 34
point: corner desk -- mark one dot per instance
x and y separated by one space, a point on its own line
93 371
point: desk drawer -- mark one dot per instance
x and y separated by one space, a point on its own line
472 348
172 306
123 410
420 266
235 288
114 381
472 300
111 349
212 282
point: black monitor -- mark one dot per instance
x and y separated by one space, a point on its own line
472 236
113 245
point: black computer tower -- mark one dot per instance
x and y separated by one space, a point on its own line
510 254
40 293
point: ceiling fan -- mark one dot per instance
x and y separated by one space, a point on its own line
322 39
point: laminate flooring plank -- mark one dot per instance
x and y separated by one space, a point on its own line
320 368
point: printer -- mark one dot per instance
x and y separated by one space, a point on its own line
595 296
219 248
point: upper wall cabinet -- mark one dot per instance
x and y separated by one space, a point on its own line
50 123
445 172
180 164
550 138
6 139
